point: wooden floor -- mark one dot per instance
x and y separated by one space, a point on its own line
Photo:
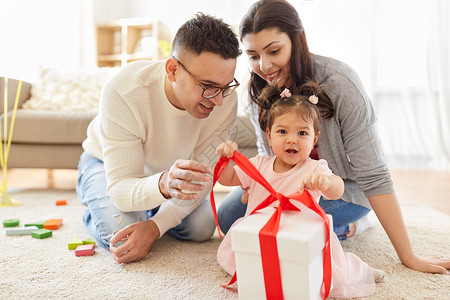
417 187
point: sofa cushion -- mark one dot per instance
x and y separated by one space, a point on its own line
44 156
49 127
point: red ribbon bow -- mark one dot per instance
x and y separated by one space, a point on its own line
267 235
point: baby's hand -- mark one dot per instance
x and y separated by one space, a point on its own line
227 149
315 181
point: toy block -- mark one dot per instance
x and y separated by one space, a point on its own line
41 233
85 250
74 243
11 222
88 241
21 230
39 224
53 224
61 202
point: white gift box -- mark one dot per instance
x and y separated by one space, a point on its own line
300 241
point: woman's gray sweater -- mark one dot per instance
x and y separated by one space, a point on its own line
349 141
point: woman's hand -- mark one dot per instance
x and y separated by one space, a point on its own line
428 265
387 209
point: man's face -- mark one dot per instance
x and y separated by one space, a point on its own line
209 69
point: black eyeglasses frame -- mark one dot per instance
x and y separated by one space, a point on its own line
205 87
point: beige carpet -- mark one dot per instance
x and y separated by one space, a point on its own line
46 269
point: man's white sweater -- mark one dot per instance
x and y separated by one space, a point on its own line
139 134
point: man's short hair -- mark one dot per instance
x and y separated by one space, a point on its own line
209 34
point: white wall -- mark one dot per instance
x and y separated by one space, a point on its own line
46 32
171 12
60 33
384 41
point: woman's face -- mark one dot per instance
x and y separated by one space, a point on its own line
269 54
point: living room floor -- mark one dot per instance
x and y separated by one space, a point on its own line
413 187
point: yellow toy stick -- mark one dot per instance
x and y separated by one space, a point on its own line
5 199
5 101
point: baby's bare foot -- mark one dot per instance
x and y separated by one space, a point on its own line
378 275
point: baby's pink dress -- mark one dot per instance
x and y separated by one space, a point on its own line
351 276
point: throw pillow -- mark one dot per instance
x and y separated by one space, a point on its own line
77 90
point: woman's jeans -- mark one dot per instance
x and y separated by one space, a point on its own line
231 208
103 219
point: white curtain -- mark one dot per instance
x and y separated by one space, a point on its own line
401 50
439 75
412 85
87 44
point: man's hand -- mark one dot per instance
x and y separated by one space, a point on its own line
138 240
180 177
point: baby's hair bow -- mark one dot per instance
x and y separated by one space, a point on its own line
313 99
285 93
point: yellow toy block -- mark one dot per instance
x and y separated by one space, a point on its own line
74 243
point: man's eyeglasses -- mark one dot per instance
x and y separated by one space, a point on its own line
210 91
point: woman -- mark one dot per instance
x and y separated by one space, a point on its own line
275 42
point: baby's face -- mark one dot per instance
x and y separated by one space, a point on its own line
292 138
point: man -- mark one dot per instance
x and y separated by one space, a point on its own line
148 156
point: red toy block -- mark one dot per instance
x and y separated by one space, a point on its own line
85 250
53 224
61 202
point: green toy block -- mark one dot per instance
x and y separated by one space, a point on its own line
41 233
39 224
88 241
74 243
11 222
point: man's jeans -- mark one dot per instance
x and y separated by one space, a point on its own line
231 208
103 219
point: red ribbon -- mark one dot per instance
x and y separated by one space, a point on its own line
267 235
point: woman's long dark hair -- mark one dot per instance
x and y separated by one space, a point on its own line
266 14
